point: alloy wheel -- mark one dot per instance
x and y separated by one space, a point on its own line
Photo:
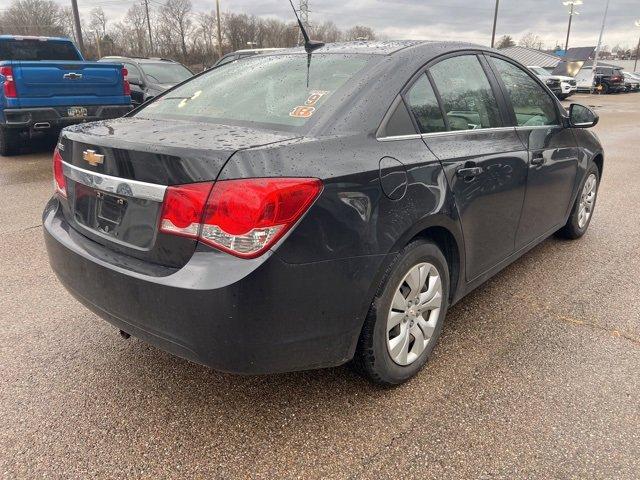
587 200
414 312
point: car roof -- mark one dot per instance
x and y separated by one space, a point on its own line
422 48
33 37
138 59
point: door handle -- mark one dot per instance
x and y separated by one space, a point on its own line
468 173
538 159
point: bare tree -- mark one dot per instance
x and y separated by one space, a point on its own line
360 32
177 15
34 17
505 41
531 40
327 32
98 21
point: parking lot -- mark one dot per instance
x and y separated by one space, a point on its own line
537 374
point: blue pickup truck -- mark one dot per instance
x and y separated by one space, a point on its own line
45 85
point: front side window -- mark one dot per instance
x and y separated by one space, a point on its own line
424 105
279 90
532 105
466 93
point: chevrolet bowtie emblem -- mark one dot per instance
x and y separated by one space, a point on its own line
92 158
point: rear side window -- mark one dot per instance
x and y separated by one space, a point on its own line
424 105
29 49
532 105
466 93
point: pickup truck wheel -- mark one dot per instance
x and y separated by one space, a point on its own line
8 142
406 316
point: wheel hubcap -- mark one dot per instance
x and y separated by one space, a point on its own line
414 313
587 200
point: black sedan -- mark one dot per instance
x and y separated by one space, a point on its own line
149 77
313 210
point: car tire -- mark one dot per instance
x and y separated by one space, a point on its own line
577 224
8 142
374 359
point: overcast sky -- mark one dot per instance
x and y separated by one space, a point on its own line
468 20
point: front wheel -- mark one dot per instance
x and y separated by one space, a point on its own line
406 316
583 208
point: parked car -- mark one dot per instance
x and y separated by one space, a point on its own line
553 82
606 80
48 85
291 212
567 84
240 54
150 77
631 82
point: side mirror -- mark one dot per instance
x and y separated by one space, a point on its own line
133 80
582 117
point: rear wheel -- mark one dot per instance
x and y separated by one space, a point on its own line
406 316
583 207
8 141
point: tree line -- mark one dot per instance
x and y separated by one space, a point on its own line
177 32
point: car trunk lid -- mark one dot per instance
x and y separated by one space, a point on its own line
117 172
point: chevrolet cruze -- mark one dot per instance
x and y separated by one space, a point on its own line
296 211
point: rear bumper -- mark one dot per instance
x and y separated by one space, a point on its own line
57 117
240 316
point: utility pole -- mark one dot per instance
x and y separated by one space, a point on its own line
146 7
76 21
304 18
219 29
595 60
98 44
572 4
635 65
495 21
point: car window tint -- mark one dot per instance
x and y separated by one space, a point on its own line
399 123
424 105
466 94
532 105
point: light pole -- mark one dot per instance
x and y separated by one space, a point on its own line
572 4
595 59
635 65
495 21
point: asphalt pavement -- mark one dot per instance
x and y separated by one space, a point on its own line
537 374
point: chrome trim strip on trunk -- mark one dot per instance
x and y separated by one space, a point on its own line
120 186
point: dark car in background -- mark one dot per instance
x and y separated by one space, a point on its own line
149 77
609 80
296 211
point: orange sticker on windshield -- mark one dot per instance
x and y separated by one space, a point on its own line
308 109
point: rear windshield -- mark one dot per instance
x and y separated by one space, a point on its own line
165 72
273 90
29 49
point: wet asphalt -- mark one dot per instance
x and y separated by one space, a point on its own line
537 374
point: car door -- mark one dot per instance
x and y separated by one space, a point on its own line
460 112
553 153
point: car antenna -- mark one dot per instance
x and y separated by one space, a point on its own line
309 45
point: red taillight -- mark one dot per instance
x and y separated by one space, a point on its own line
9 84
59 181
242 217
125 83
183 207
